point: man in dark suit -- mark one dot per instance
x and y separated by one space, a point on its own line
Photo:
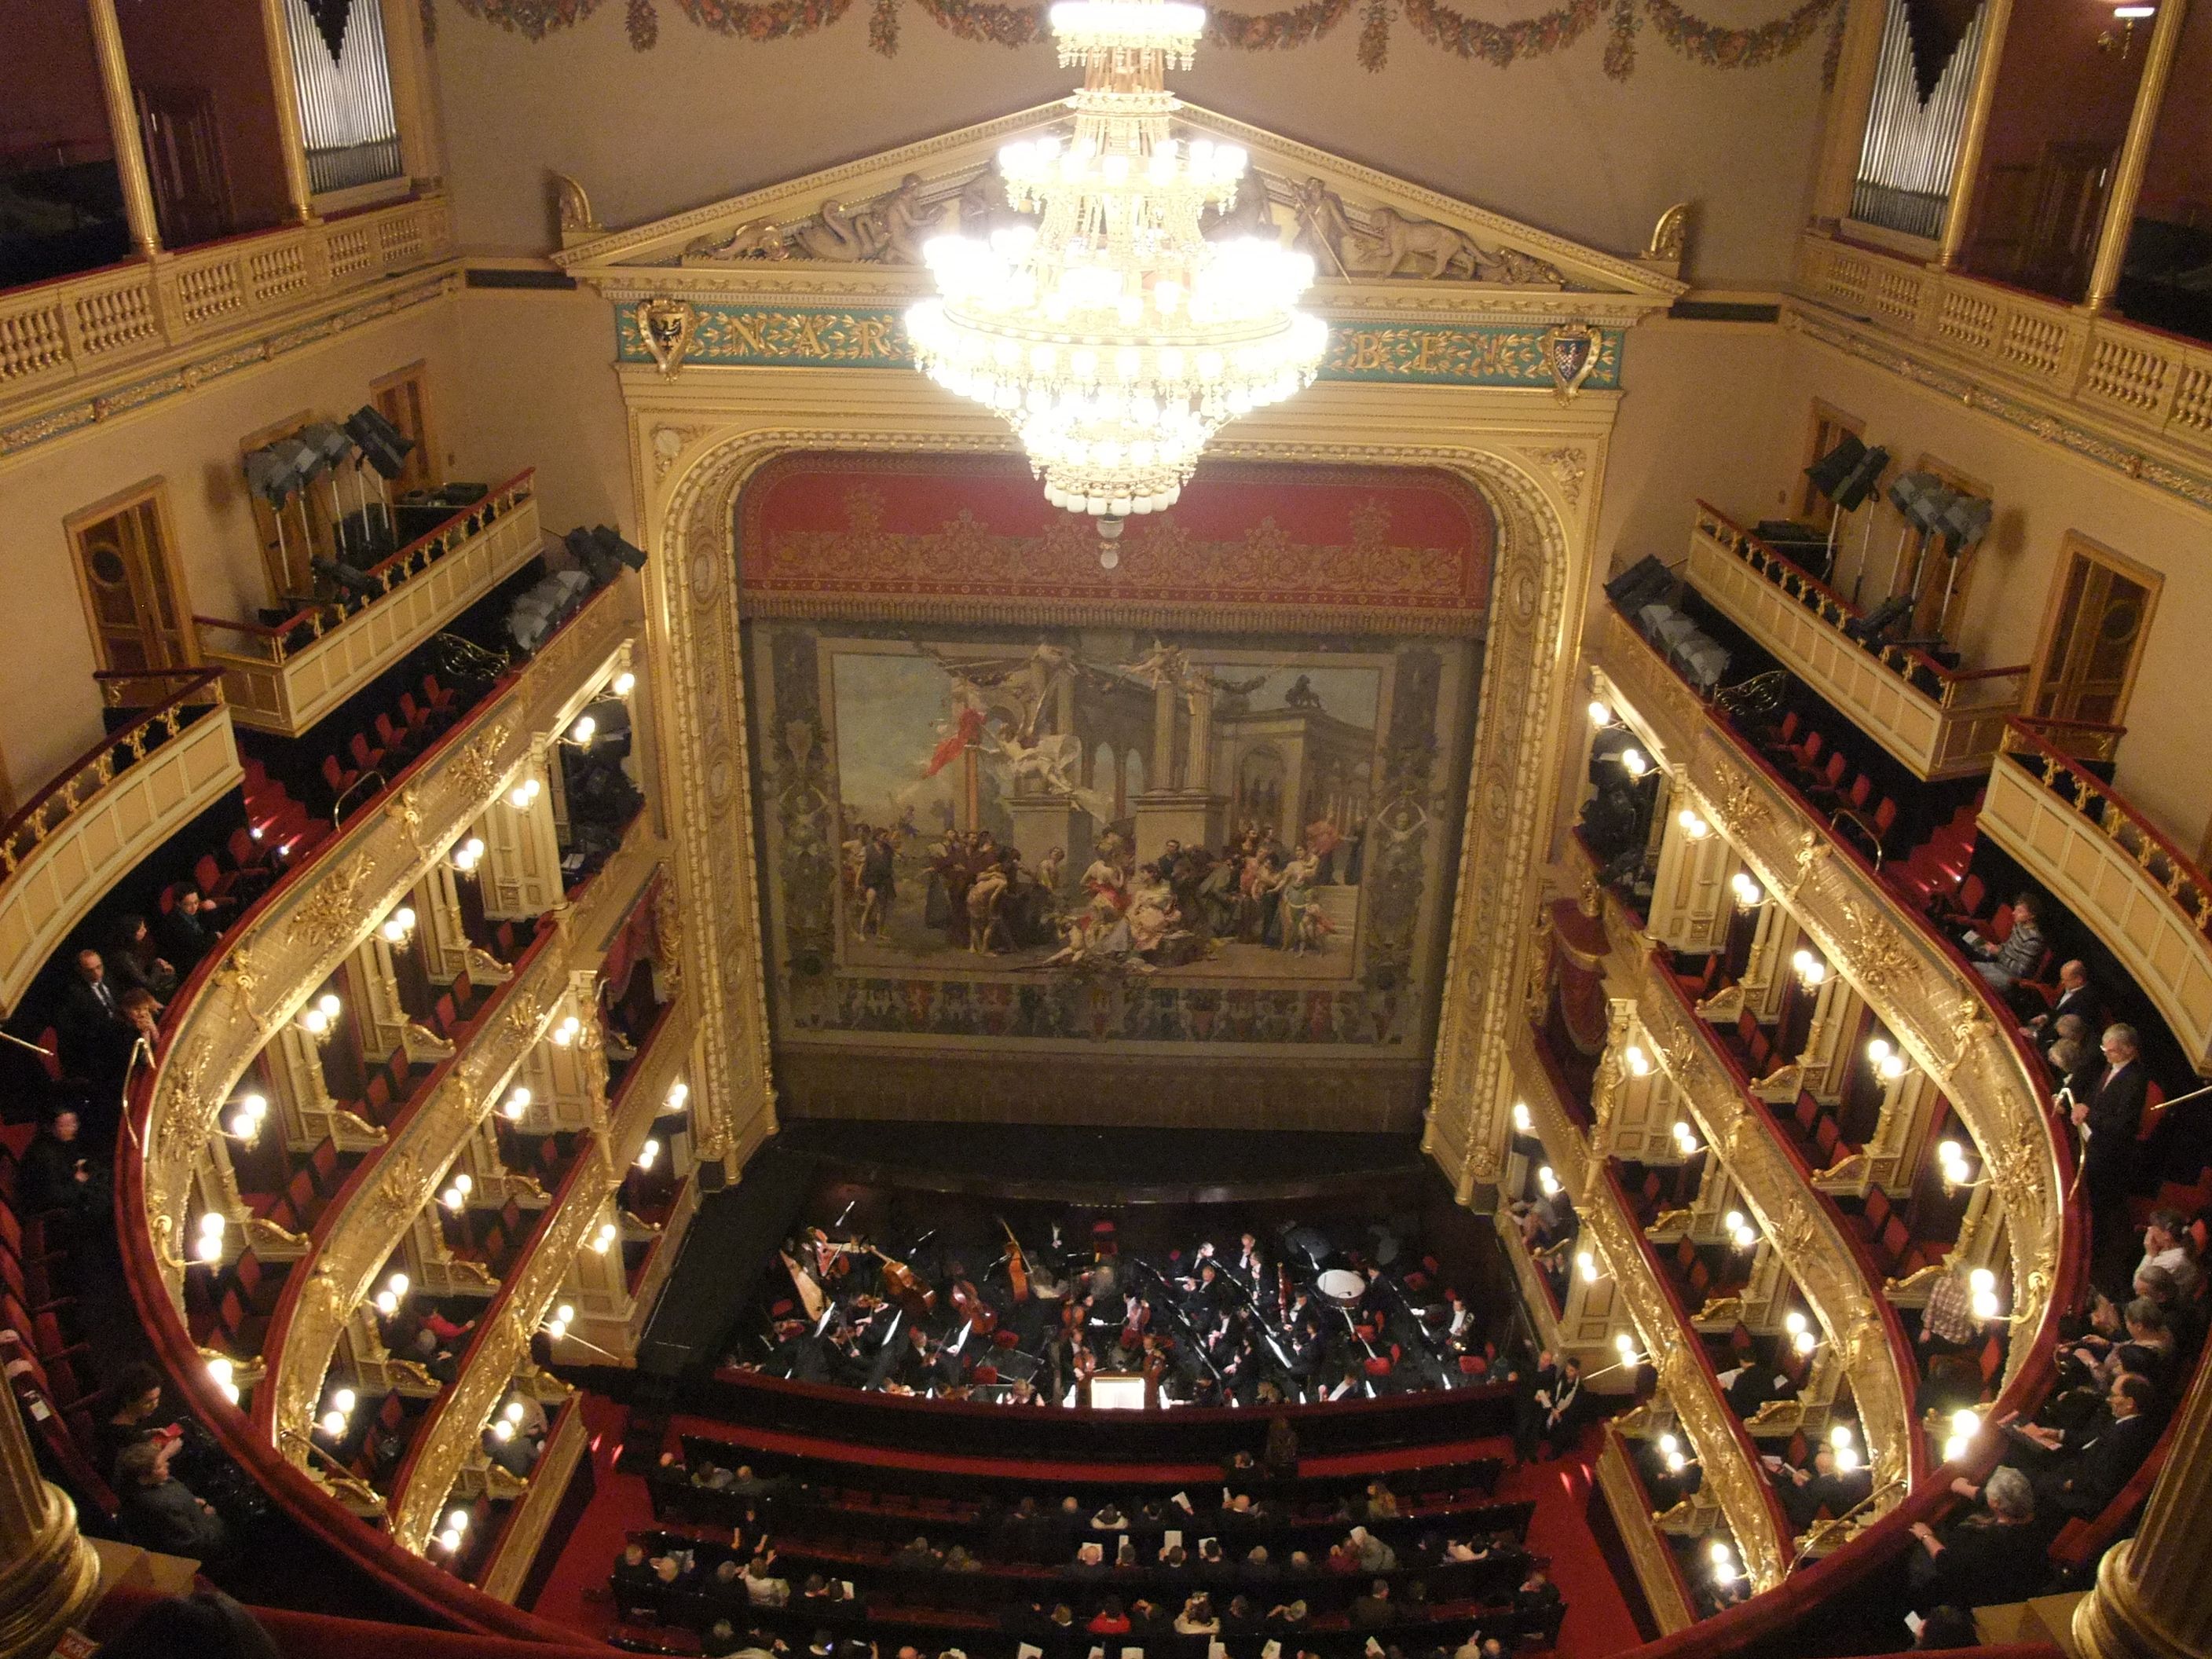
2108 1102
2102 1456
2077 996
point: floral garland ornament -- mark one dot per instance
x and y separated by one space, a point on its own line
994 22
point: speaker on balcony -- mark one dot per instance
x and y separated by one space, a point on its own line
1922 498
384 444
1965 520
592 556
1847 474
1645 582
271 476
611 543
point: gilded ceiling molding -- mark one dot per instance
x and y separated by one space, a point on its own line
1712 45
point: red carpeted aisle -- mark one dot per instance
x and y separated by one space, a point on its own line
1598 1622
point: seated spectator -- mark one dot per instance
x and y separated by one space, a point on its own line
188 932
1109 1519
1372 1554
762 1588
160 1511
2005 965
207 1624
1372 1610
1198 1617
1381 1502
2089 1467
1109 1619
1537 1595
2077 1003
138 1398
1947 1324
1258 1569
725 1578
1288 1615
1808 1491
2067 1054
2167 1244
957 1559
132 962
1990 1555
59 1174
2146 1349
1089 1562
917 1557
676 1570
2184 1316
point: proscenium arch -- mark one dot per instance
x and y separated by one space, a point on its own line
1531 472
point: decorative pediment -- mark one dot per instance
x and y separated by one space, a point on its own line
1381 247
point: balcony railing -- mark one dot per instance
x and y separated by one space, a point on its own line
59 334
532 1515
1943 1016
284 677
1657 1568
1863 1334
2100 365
109 808
1942 722
2110 867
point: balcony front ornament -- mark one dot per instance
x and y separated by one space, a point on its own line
338 910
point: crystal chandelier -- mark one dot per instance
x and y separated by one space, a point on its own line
1111 335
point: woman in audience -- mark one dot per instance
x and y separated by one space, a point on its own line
1991 1555
1198 1617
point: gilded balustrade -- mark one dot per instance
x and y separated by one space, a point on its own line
1941 722
1942 1016
287 675
2110 866
297 934
1724 1450
1658 1569
566 1444
58 336
1803 1230
108 809
2126 381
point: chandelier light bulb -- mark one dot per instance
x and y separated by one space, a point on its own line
1890 1068
1733 1221
502 1431
1721 1553
1746 1237
1676 1462
344 1401
242 1126
1847 1459
314 1022
334 1423
564 1313
1668 1445
449 1540
511 1411
255 1106
1840 1435
1793 1321
458 1520
1806 1341
1111 334
386 1303
330 1005
1878 1050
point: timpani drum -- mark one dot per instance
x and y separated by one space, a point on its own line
1342 1286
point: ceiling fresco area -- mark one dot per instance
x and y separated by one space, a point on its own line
1167 849
1587 117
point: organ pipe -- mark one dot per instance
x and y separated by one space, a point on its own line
1912 148
346 103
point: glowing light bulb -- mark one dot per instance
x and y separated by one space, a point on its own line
221 1369
1635 762
449 1540
1746 1236
1748 892
511 1411
1840 1435
466 1181
1626 1343
1599 716
208 1247
458 1520
1847 1459
1669 1444
1694 825
1806 1341
1586 1265
386 1303
502 1431
1793 1321
344 1401
1638 1061
1521 1118
1720 1551
398 1284
584 729
314 1022
1733 1221
257 1106
564 1313
334 1424
1949 1152
1548 1181
329 1003
624 684
678 1092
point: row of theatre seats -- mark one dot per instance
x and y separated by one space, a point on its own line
838 1520
393 738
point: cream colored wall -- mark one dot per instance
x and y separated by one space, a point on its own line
1552 140
192 442
535 387
1704 408
2041 492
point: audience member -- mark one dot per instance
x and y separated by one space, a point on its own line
1992 1554
161 1512
57 1175
2167 1244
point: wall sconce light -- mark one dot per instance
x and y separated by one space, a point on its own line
393 1293
1520 1118
399 927
516 1103
1741 1232
648 1154
469 854
342 1401
1600 714
1638 1061
1958 1173
320 1018
503 1426
1981 1290
1548 1182
557 1326
1810 970
1694 826
1888 1064
1685 1138
678 1092
1586 1265
1670 1453
565 1034
1843 1447
244 1123
2119 42
603 1241
224 1375
1725 1571
1802 1336
523 793
457 1523
1965 1425
1636 761
622 683
1749 895
583 731
1625 1345
456 1196
208 1245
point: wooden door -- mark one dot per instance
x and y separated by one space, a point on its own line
404 399
134 595
185 163
2093 635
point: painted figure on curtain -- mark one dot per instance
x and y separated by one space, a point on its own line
1100 833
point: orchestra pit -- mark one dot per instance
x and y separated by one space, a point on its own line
1120 829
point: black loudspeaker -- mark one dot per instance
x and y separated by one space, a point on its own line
1884 619
1859 482
1829 472
384 444
1645 582
611 543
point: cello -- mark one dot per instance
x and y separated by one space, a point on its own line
905 1287
1017 1270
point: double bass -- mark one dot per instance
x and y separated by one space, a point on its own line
1018 1268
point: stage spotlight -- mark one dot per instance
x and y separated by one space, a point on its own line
384 444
